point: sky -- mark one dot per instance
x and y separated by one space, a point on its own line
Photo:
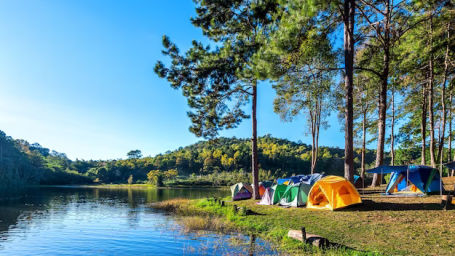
77 77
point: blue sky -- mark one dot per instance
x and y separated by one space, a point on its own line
77 77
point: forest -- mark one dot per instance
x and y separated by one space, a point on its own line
385 67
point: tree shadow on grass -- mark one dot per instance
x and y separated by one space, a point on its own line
370 205
370 191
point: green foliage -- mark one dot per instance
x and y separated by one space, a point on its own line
170 174
130 179
19 165
218 83
219 162
155 177
223 161
57 176
22 164
134 154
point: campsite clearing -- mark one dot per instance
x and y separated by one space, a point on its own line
387 225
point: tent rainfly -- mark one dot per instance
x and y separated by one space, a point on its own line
296 194
332 193
273 195
241 191
299 178
283 181
410 180
263 186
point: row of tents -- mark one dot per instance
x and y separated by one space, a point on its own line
316 191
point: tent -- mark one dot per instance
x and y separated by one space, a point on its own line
410 180
332 193
451 166
241 191
263 186
273 195
293 179
296 194
283 181
311 178
358 183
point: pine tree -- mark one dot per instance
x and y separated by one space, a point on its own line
219 82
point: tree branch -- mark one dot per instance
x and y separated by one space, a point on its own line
371 24
369 70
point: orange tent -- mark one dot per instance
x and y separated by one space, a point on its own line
263 186
332 192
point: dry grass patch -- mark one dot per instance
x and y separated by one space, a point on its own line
178 206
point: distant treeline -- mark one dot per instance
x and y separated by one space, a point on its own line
22 163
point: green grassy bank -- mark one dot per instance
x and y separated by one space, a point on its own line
381 225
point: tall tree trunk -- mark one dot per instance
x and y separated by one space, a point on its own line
443 104
423 125
431 120
450 130
313 136
430 96
364 130
449 156
349 13
392 135
315 124
254 145
318 125
383 95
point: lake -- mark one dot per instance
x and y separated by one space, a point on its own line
105 221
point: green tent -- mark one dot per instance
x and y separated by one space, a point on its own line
273 195
296 195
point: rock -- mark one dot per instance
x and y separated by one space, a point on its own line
315 240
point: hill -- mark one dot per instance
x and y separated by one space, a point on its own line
216 162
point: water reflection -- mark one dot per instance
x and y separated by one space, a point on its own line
80 221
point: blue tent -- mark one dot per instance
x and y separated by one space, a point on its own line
410 179
310 179
450 165
358 183
291 180
301 178
282 181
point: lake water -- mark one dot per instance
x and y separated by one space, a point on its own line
99 221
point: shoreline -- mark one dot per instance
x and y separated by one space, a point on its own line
380 226
205 214
140 186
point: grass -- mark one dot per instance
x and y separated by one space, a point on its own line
381 225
